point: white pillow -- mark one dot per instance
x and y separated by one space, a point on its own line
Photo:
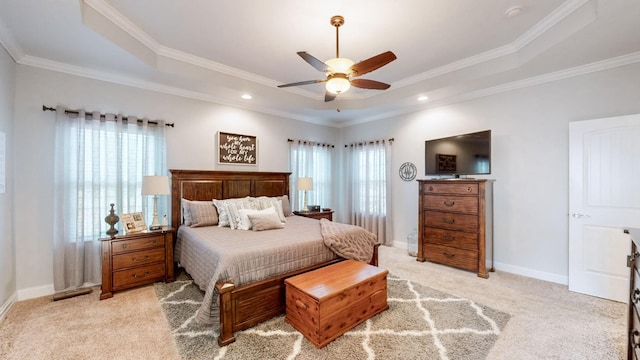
244 223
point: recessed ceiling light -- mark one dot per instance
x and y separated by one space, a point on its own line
246 96
423 98
513 11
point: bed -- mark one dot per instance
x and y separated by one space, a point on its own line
242 305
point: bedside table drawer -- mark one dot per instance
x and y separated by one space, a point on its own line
137 244
141 275
138 258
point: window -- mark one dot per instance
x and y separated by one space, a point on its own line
310 159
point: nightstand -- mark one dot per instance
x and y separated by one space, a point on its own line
136 259
325 214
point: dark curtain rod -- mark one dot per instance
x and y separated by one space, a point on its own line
370 142
102 116
309 142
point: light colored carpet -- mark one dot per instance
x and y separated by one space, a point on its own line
421 323
547 321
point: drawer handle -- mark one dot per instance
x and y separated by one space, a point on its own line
448 237
448 255
140 259
448 221
449 203
430 188
636 296
634 342
301 305
154 242
124 246
141 276
468 188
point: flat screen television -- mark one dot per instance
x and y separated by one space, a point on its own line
466 154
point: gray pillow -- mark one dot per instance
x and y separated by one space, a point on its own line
261 222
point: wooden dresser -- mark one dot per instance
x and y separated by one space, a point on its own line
136 259
633 322
455 223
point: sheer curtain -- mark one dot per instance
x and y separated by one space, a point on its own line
311 159
98 162
368 169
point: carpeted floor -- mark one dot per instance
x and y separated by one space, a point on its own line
547 321
421 323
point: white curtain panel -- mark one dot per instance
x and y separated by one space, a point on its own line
368 167
311 159
99 162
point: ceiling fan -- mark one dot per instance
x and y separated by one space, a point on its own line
342 71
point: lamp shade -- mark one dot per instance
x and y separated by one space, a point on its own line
305 183
155 185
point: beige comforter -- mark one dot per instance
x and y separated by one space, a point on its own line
213 254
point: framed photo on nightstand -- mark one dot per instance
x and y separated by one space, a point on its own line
133 222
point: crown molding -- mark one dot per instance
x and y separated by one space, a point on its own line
9 42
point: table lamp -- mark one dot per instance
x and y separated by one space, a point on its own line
305 184
155 185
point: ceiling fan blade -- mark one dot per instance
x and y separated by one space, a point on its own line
329 96
313 61
372 63
369 84
302 83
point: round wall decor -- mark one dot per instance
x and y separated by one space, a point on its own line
408 171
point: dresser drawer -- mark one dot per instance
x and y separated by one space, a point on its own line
451 221
462 204
464 259
140 275
451 188
138 258
137 244
458 239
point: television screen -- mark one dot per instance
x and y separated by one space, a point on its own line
467 154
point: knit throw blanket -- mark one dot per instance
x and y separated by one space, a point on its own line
348 241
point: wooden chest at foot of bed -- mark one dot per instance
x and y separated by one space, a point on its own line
325 303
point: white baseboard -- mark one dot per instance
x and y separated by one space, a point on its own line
518 270
535 274
35 292
7 305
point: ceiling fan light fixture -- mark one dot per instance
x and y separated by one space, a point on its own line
340 65
337 84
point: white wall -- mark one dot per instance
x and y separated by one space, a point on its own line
530 155
190 145
7 243
529 160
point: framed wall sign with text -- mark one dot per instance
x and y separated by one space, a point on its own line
237 149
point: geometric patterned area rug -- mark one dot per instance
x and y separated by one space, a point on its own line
421 323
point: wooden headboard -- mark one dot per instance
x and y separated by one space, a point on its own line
211 184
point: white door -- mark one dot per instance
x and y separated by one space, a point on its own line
604 199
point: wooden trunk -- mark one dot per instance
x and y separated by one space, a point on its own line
325 303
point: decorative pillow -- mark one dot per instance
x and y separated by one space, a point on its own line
203 213
261 222
286 205
245 223
223 216
234 205
265 202
186 213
